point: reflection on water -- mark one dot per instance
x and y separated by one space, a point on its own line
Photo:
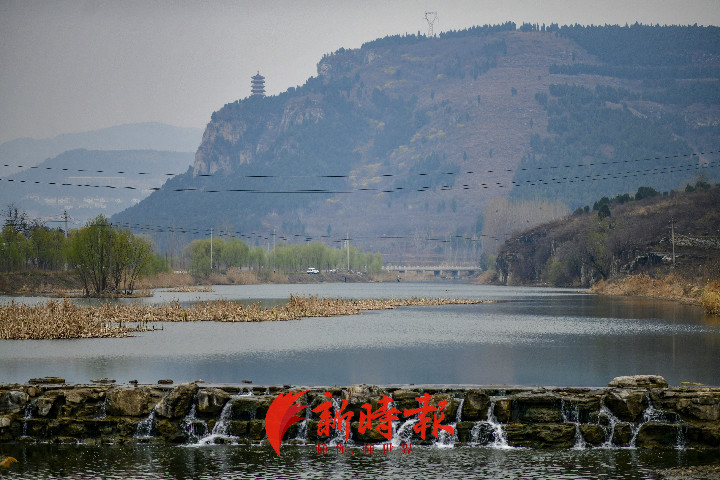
259 462
530 336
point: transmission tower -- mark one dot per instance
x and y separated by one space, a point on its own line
431 17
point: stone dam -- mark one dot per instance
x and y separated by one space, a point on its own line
638 411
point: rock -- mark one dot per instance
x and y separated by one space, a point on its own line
405 399
165 381
503 410
622 435
177 402
5 422
638 381
211 400
627 405
13 401
79 395
593 434
450 409
250 407
51 380
44 405
103 380
358 395
551 435
475 406
131 402
657 435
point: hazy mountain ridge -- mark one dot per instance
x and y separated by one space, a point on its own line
410 136
29 152
87 183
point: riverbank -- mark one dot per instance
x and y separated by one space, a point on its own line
636 412
63 319
61 284
668 287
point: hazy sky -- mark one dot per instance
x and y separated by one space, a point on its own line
77 65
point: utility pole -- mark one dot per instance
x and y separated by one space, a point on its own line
672 227
347 240
65 224
211 248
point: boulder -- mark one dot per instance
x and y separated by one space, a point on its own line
127 402
405 399
627 405
475 406
638 381
593 434
550 435
211 400
654 435
13 401
177 402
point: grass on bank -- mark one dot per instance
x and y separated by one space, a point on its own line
61 319
669 287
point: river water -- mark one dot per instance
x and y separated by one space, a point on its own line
528 336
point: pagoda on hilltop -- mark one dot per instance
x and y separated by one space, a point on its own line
258 85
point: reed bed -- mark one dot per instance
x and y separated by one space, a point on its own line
63 319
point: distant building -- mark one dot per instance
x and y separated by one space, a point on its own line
258 85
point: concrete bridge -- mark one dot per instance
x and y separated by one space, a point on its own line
442 271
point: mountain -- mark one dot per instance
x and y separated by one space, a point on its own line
407 144
27 152
86 183
650 233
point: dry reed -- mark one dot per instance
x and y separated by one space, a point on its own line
710 298
64 319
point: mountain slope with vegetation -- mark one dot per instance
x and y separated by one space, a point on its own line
405 144
651 233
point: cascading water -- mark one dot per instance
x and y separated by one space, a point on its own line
445 439
27 416
572 415
339 433
194 427
221 430
103 409
612 422
145 426
489 427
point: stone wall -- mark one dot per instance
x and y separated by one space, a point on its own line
633 411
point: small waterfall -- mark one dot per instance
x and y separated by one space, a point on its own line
612 422
446 440
403 433
103 410
194 427
339 433
145 426
572 415
652 414
491 427
27 416
302 433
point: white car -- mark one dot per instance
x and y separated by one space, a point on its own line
312 270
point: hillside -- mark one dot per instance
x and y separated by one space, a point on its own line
624 237
87 183
402 144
